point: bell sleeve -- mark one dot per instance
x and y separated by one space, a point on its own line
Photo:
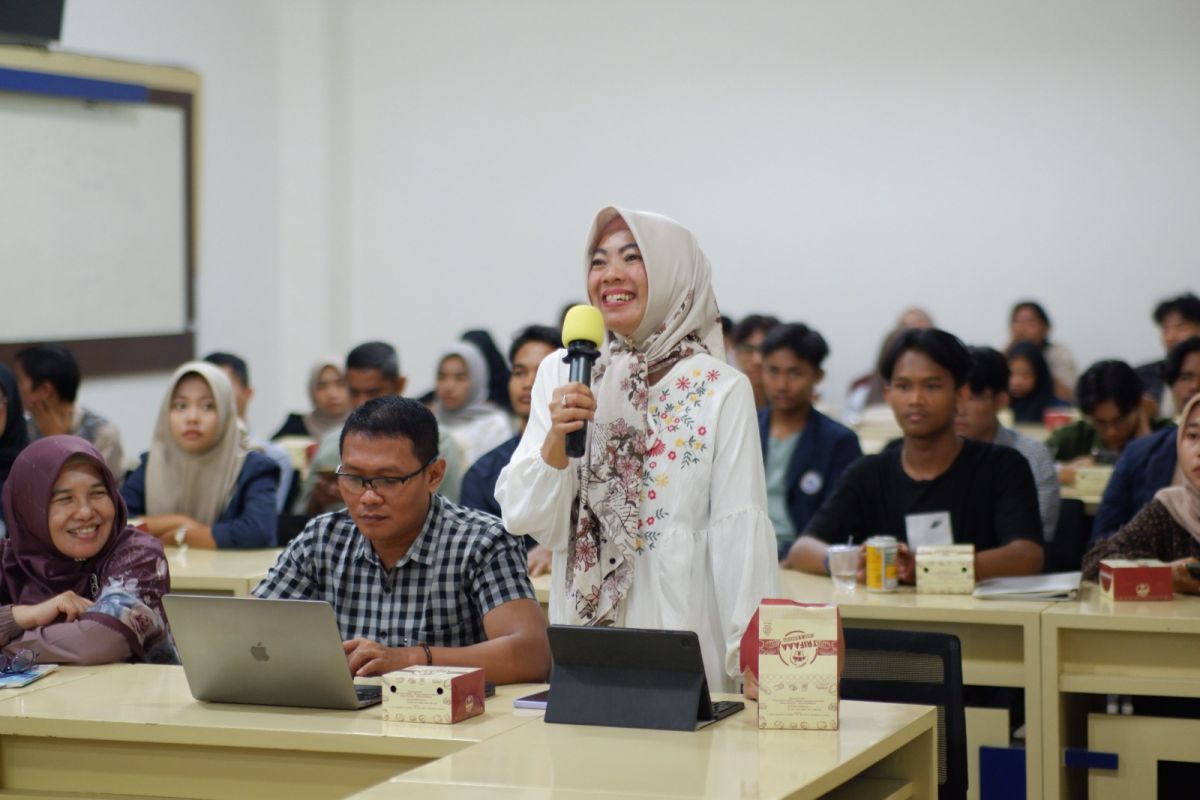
741 540
536 498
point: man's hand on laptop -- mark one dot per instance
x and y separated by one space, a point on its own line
366 657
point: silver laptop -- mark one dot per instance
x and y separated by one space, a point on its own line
265 652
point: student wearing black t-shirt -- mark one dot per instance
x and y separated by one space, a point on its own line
984 492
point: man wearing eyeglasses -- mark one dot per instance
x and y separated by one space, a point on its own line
412 577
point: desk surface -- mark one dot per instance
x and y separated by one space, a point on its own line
1095 611
225 571
905 603
145 702
732 758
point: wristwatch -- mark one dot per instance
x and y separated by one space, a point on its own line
181 536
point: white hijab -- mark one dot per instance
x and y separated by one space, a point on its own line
681 319
198 485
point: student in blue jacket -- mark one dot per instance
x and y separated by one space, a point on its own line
1147 464
200 484
804 451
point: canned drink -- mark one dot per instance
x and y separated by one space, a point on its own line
881 564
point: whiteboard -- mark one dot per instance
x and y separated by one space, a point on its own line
93 219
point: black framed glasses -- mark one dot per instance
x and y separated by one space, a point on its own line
18 662
382 485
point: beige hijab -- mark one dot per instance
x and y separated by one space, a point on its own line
198 485
317 422
1183 502
681 320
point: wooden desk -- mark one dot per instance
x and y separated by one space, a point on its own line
224 572
541 587
134 729
1091 502
895 744
1097 647
1001 646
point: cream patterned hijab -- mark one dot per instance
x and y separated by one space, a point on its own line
196 484
681 319
1183 502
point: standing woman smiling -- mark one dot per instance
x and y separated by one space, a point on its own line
200 484
662 523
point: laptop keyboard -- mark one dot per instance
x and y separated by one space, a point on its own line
368 694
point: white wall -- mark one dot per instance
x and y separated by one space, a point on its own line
405 170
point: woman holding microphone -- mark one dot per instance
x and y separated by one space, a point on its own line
662 522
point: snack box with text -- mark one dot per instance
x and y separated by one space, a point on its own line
945 569
793 649
1091 481
433 694
1141 579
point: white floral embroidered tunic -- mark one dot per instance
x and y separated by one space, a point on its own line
706 552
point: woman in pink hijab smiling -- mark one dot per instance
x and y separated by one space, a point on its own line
662 523
77 585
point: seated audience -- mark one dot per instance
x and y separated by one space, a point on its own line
77 584
983 493
528 350
330 403
1109 395
497 389
200 484
1029 322
1030 385
238 372
48 378
804 451
727 338
977 419
461 405
1168 528
747 336
14 434
1177 319
412 577
1148 464
867 390
372 370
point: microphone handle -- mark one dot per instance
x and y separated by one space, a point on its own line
581 372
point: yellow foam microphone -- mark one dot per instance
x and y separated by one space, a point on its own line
582 335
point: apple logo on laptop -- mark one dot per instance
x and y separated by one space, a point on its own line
259 652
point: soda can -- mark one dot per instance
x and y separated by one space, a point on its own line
881 564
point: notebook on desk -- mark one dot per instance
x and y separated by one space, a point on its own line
264 652
1056 586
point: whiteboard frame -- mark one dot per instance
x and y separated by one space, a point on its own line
52 73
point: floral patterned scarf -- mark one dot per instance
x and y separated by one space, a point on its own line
681 319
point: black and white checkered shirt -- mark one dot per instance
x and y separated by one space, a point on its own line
462 565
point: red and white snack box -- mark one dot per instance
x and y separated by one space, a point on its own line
433 694
1141 579
793 650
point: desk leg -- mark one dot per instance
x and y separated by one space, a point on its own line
1034 762
915 762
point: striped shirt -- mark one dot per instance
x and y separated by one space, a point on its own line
461 566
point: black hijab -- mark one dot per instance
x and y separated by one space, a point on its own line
16 432
1032 406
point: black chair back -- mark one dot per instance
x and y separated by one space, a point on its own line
910 667
1065 553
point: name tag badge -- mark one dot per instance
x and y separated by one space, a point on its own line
811 482
928 529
